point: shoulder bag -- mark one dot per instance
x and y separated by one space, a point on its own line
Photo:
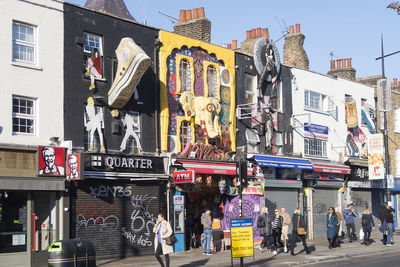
171 240
300 230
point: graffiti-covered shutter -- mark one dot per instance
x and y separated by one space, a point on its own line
117 217
361 199
323 199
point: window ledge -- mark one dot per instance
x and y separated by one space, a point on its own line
317 111
316 157
26 65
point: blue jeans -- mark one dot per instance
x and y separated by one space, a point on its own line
389 228
207 240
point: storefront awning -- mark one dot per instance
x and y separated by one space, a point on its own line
282 162
223 168
332 168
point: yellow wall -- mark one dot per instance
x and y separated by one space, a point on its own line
170 41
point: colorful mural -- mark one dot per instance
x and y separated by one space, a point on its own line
197 94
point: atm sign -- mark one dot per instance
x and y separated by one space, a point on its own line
184 177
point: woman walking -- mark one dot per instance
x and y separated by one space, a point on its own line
390 226
298 222
264 228
162 230
367 223
277 230
331 223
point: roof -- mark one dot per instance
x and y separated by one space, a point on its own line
113 7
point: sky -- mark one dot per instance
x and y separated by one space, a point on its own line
346 28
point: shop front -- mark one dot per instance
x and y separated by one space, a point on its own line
31 208
115 206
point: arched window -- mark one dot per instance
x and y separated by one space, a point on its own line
185 74
212 81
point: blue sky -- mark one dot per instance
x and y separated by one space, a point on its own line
349 29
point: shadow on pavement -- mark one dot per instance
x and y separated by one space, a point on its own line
196 263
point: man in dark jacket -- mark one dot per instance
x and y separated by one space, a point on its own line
348 216
298 221
383 210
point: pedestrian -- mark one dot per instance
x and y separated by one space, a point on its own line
216 234
348 215
285 228
367 223
207 226
331 223
162 230
264 228
390 226
383 210
298 222
277 230
337 240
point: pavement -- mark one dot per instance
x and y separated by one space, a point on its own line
320 253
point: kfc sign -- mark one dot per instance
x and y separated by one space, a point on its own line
51 161
184 177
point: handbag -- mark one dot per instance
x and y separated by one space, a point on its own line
300 230
171 240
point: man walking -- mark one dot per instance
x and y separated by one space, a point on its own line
207 226
285 228
348 215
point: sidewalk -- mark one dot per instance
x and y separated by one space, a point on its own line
319 248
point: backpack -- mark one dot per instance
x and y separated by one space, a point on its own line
364 221
260 222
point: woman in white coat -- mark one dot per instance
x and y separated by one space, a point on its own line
162 230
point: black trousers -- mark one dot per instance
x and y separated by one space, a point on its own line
158 253
276 235
367 235
295 237
351 231
384 234
265 242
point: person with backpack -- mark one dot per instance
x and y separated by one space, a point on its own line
367 224
348 216
264 228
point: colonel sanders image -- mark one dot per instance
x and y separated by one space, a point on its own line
49 156
73 168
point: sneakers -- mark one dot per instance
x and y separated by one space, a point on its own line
285 249
132 64
208 254
275 252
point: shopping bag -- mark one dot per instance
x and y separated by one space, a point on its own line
361 234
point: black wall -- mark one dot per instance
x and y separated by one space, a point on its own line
245 64
78 20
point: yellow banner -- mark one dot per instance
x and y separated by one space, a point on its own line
242 238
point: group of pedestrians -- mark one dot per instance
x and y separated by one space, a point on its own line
277 228
386 216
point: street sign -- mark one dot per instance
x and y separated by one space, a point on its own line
242 238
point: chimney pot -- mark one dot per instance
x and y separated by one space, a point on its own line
343 63
188 14
395 82
258 32
349 62
248 35
391 85
195 13
182 15
201 12
291 29
234 44
229 46
253 33
332 64
297 28
339 63
266 33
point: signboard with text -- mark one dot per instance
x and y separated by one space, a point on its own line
376 169
316 131
242 238
183 177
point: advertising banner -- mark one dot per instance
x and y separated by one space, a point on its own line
376 169
242 238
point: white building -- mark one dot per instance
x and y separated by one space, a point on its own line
31 113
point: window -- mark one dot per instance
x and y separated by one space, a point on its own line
250 83
276 103
397 158
252 140
24 43
314 147
24 115
212 81
185 75
186 134
313 100
396 113
278 140
93 55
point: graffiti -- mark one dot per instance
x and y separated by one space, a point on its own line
92 209
142 201
136 240
321 209
107 191
204 151
101 224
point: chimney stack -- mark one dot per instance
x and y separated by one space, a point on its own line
234 44
395 82
197 27
342 70
252 36
265 33
293 50
229 46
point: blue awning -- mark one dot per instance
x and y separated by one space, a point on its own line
281 162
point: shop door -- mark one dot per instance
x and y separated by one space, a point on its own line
322 200
281 198
361 199
117 217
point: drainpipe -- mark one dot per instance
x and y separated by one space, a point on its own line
157 46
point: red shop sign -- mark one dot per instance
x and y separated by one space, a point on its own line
184 177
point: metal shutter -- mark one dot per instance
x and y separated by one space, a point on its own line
118 217
323 199
361 199
281 198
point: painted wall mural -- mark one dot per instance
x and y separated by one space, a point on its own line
197 94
